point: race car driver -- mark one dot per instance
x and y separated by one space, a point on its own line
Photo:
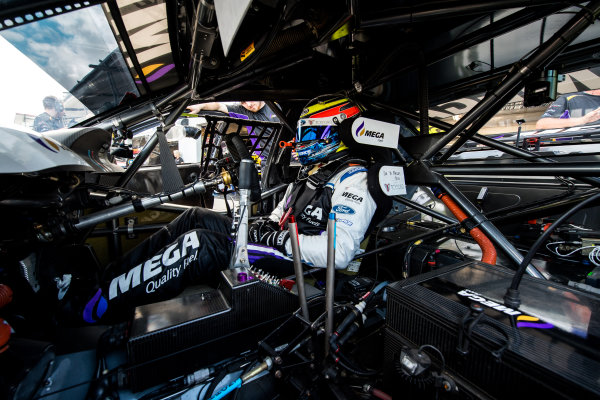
196 245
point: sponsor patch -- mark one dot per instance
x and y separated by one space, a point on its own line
344 221
374 132
343 209
351 172
523 320
474 296
159 269
354 197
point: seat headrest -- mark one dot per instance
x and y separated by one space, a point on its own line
370 137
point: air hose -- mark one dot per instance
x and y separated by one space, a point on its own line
487 248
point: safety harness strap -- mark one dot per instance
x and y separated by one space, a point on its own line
302 194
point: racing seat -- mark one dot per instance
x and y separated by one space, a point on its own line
377 142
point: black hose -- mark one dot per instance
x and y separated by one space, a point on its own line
237 147
213 385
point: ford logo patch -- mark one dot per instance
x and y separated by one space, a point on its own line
342 209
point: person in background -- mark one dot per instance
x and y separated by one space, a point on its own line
254 110
573 109
53 116
177 155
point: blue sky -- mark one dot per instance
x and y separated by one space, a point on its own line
65 45
60 50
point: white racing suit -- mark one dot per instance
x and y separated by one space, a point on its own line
194 247
346 194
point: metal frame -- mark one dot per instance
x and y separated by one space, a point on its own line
486 108
504 25
427 167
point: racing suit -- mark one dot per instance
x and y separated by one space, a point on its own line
195 246
345 194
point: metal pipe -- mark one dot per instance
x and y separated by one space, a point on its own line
196 189
520 122
478 122
116 248
494 29
424 235
425 210
556 169
493 143
202 39
125 229
449 9
240 254
274 190
122 30
486 226
294 241
177 111
511 84
246 173
253 75
182 92
134 116
423 96
330 283
150 145
138 161
508 149
526 155
508 213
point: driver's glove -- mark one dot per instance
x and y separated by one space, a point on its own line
260 228
276 239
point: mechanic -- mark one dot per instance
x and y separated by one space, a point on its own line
254 110
53 116
573 109
197 244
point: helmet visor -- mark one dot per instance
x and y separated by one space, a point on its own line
315 129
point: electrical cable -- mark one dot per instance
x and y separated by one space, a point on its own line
458 248
380 286
343 360
571 252
213 384
406 261
442 359
594 256
324 314
511 297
